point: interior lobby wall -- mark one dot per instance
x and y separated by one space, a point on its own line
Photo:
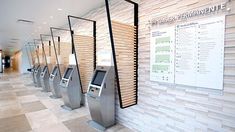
25 62
166 107
16 61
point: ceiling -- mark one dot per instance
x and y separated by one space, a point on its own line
44 14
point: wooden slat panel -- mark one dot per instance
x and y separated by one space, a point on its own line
125 47
53 56
65 51
84 46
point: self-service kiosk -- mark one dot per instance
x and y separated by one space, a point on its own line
37 72
71 89
54 82
44 77
101 98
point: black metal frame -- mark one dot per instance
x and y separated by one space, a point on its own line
52 36
94 33
136 21
45 57
27 51
31 49
72 40
1 62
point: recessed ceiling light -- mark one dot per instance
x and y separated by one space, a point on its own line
14 39
25 21
51 17
59 9
44 23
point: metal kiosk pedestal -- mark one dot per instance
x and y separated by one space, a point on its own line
45 79
54 82
37 72
32 72
71 89
101 98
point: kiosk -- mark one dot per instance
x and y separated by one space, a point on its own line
71 89
54 82
37 72
101 98
45 79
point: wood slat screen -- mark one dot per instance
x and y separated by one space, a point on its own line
125 47
41 56
84 46
33 56
48 56
53 56
65 51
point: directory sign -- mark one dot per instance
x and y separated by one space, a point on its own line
189 54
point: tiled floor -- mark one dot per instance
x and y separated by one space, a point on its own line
24 108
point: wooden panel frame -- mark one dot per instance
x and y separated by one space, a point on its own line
127 97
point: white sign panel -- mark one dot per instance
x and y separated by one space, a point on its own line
162 55
195 54
200 53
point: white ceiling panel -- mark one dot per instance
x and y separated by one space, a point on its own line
44 14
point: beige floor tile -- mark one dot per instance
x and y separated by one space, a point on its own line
14 124
4 102
28 98
118 128
52 103
41 118
64 115
32 106
26 92
79 125
60 127
11 110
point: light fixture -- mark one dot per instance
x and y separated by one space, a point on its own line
59 9
51 17
25 21
14 39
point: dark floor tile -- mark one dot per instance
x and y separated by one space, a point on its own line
79 125
14 124
33 106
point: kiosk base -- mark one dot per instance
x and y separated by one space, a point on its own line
66 107
96 125
53 97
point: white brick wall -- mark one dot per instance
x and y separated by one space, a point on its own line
165 107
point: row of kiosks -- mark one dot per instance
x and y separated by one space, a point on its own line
69 84
66 84
55 76
101 87
45 73
37 67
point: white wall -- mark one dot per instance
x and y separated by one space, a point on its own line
163 107
24 62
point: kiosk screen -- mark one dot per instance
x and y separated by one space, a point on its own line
54 70
98 78
68 72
